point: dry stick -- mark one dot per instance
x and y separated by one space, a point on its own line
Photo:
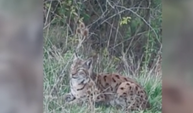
157 61
48 13
82 33
79 44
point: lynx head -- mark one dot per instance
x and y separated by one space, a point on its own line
81 69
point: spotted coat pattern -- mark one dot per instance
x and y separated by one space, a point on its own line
110 89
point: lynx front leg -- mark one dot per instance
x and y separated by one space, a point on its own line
71 100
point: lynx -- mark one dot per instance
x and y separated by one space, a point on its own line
109 89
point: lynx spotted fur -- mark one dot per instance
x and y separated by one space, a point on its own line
109 89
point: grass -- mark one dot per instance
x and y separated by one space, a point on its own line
56 82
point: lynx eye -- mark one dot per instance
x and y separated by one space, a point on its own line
81 73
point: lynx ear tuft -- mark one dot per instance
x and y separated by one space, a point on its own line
75 56
88 63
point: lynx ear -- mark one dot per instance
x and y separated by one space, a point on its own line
88 63
75 56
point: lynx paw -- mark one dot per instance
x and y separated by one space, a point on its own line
68 98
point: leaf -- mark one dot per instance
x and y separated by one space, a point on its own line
125 20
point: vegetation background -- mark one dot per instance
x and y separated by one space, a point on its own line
124 37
